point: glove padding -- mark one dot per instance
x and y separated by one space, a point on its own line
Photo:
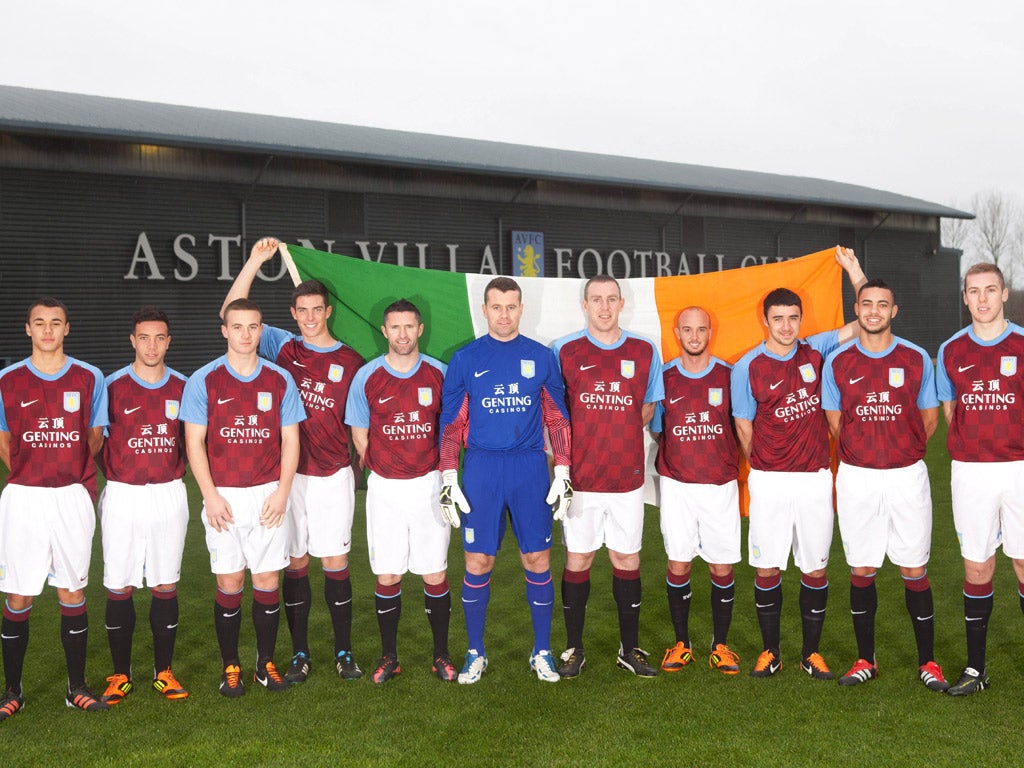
560 494
452 498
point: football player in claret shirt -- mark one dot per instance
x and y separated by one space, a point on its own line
500 392
776 404
612 382
323 494
698 468
52 412
878 393
144 507
242 417
981 388
393 408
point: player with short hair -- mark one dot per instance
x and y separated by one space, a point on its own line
982 393
394 406
500 392
144 507
612 383
776 404
53 409
878 393
242 417
322 502
698 468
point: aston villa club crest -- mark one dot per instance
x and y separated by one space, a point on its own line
336 372
426 396
527 368
1008 365
171 409
896 377
72 402
807 373
715 396
627 368
264 401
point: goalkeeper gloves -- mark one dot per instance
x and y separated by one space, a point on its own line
452 498
560 495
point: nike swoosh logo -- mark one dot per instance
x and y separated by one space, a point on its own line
924 618
776 385
344 602
276 609
383 400
636 605
858 613
587 367
292 605
817 610
227 400
108 627
478 374
172 626
296 362
387 610
961 369
674 400
547 540
130 411
854 381
15 637
766 605
729 600
77 631
230 615
30 402
973 618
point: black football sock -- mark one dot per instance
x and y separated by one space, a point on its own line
227 621
863 606
266 616
338 594
14 629
388 598
297 598
920 606
74 636
626 589
677 588
120 623
163 621
813 599
723 597
768 602
575 594
437 602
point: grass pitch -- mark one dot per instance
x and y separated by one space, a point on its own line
606 717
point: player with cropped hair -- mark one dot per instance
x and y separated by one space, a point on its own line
242 416
698 468
393 407
144 507
323 494
776 404
500 392
981 388
878 393
612 383
53 409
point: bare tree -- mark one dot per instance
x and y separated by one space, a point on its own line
998 236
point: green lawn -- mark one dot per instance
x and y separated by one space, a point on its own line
606 717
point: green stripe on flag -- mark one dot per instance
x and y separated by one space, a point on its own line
360 290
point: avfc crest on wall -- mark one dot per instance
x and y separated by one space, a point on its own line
264 401
426 396
715 396
896 377
807 373
336 372
1008 365
528 254
171 409
527 368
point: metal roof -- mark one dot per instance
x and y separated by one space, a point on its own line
55 113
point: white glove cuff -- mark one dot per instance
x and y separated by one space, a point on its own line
561 472
450 477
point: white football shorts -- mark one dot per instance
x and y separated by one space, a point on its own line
700 519
320 520
790 511
988 508
246 543
615 520
404 528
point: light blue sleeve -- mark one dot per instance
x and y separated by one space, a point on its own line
292 410
194 399
743 404
655 380
99 416
658 421
831 400
271 341
943 385
357 409
927 397
826 343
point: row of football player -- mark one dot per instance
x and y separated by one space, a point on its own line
254 441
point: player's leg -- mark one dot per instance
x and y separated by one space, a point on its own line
719 546
14 629
623 534
437 603
295 589
681 538
388 599
977 489
769 541
123 561
476 595
811 545
266 616
163 623
120 625
583 533
723 597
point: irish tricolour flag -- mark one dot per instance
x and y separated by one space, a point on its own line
451 303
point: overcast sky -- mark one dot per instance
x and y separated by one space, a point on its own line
920 98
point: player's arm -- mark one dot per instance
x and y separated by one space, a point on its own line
648 412
5 448
360 439
276 503
744 435
218 511
949 410
95 441
834 418
262 252
847 259
930 417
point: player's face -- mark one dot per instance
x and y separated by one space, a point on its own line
311 313
403 332
693 331
602 305
503 310
985 296
150 342
783 324
242 328
875 310
47 327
